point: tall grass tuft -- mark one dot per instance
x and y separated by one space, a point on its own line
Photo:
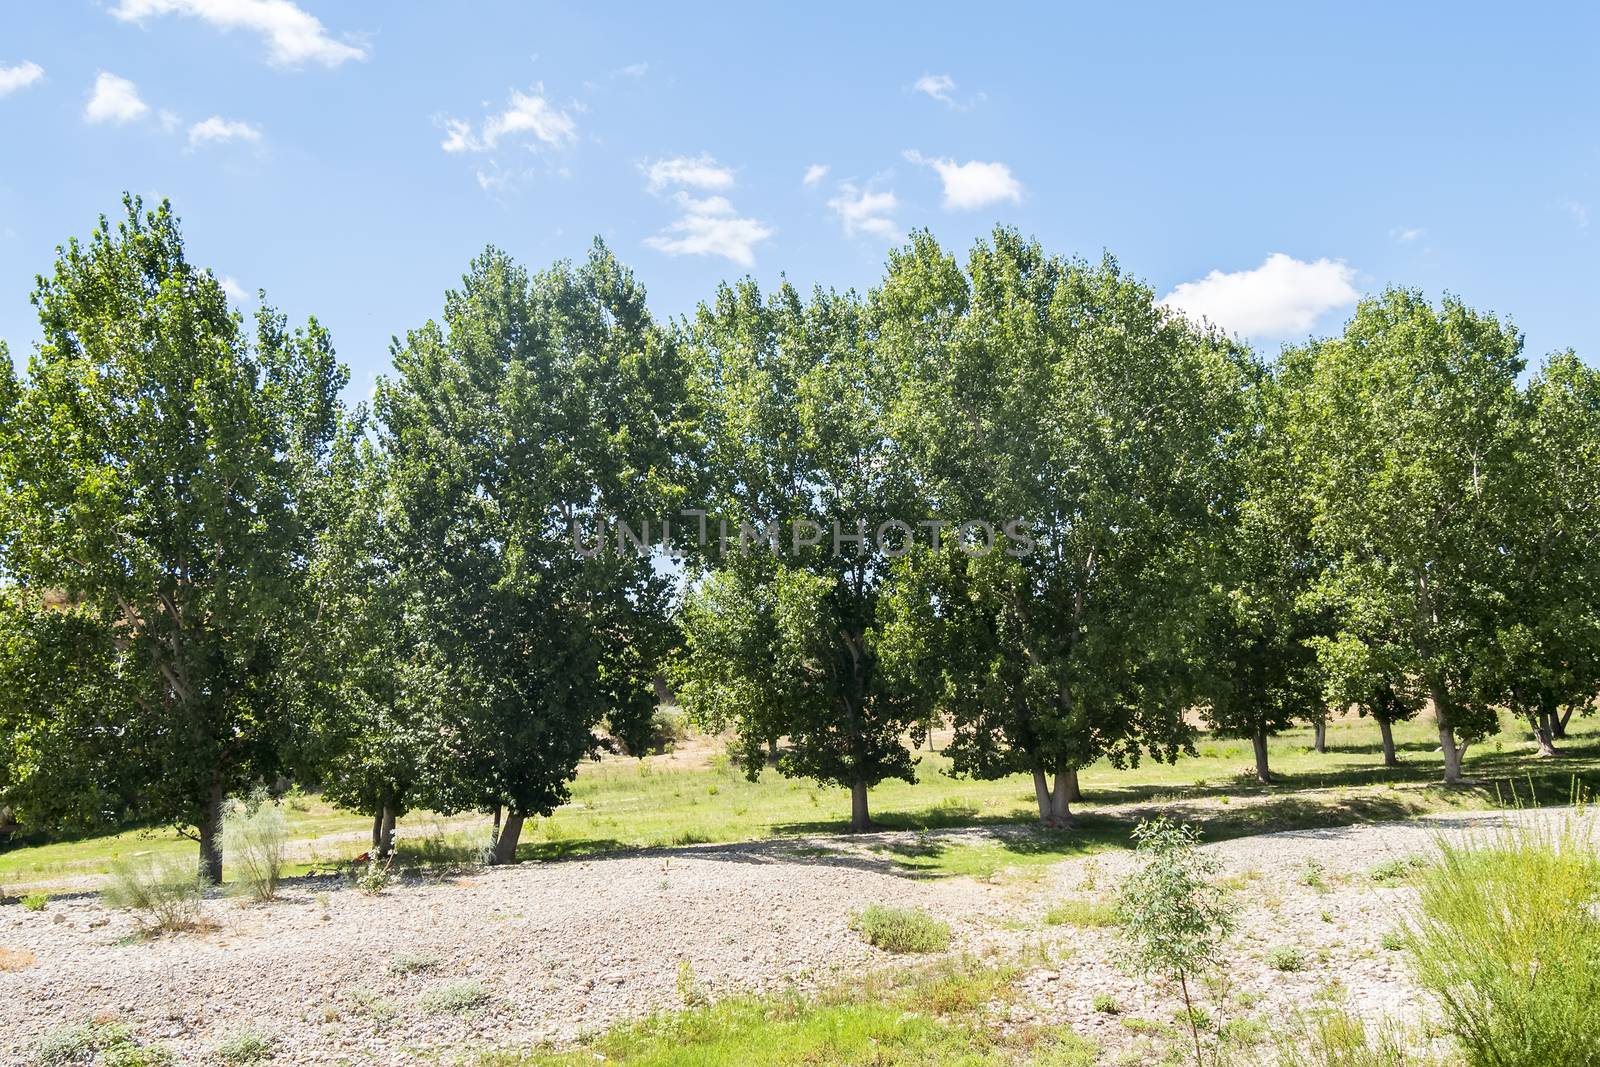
1507 938
164 893
254 836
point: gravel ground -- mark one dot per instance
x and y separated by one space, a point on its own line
562 948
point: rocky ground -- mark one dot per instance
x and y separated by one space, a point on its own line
336 975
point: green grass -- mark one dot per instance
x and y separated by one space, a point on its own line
1083 913
671 801
933 1017
1507 940
901 929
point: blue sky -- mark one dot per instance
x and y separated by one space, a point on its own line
1263 164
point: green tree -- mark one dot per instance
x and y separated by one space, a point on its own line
780 638
1548 642
1060 394
1406 436
155 465
540 406
1263 664
1172 915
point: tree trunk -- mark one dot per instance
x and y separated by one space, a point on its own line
1560 731
377 830
211 836
386 833
1319 735
1054 804
1447 736
860 821
1386 729
1074 793
1259 741
1544 733
1452 753
505 844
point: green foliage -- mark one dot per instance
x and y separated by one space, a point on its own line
79 1044
137 1056
373 877
901 929
1025 382
782 639
1106 1004
1286 958
164 893
1337 1038
254 834
247 1044
1507 940
456 997
159 467
1085 913
1173 916
413 962
36 901
538 406
1406 434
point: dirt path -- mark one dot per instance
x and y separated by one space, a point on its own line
561 948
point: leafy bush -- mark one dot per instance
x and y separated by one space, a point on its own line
1106 1004
1397 870
1286 958
137 1056
454 998
1507 939
80 1044
1174 917
164 894
254 836
245 1045
36 901
901 929
413 962
1087 913
1337 1038
374 878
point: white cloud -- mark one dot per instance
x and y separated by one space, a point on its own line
938 86
1579 213
527 113
710 227
114 99
1406 234
973 184
235 292
701 172
293 35
815 173
20 76
632 70
1283 296
865 211
216 128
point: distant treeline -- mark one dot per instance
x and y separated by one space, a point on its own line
214 574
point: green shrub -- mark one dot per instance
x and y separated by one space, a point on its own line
165 894
137 1056
79 1044
1507 939
374 878
254 836
1286 958
1106 1004
1314 876
1337 1038
454 998
1393 940
413 962
245 1045
901 929
1086 913
36 901
1397 870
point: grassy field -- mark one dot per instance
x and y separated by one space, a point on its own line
696 796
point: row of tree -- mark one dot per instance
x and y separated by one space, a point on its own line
217 575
